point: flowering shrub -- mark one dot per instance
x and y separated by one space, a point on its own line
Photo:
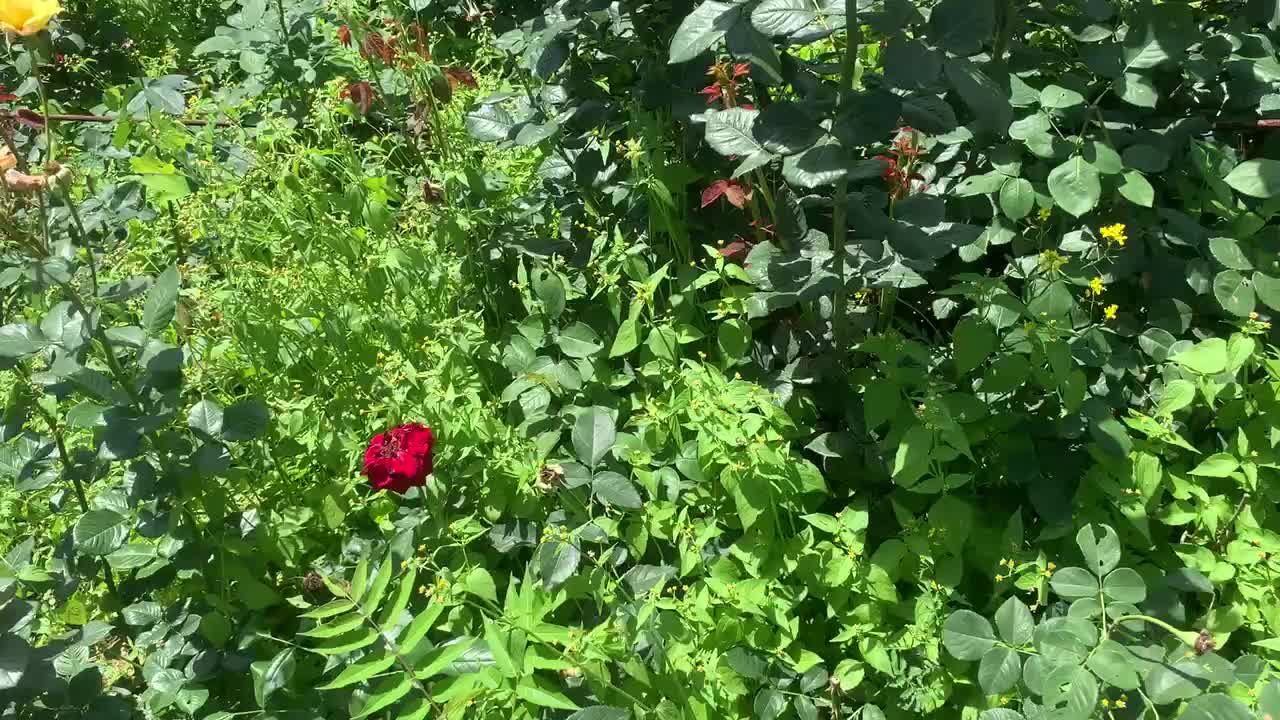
799 359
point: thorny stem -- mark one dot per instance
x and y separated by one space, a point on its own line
839 214
68 470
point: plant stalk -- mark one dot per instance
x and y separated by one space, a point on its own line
840 213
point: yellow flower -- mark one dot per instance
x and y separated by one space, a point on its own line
1114 234
1051 261
1095 287
1044 214
1109 312
27 17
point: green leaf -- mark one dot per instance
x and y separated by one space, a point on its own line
616 490
999 670
701 29
1055 97
271 675
496 638
910 64
628 337
1178 394
1136 90
1216 706
1135 188
1102 554
354 640
245 420
206 418
386 692
967 635
822 164
1267 288
100 532
1258 178
974 341
361 670
162 301
1208 357
788 17
983 96
579 341
391 613
1227 251
1125 585
490 123
557 562
1074 582
549 289
1115 665
1234 292
420 626
20 340
769 703
330 609
529 690
786 128
601 712
1218 465
1075 186
480 583
962 26
728 132
1017 198
593 435
15 654
442 657
371 599
132 556
1015 623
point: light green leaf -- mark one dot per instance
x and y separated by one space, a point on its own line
271 675
967 635
999 670
593 435
1074 582
1218 465
1208 357
1125 585
1075 186
1259 178
100 532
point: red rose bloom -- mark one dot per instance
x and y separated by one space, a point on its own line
399 458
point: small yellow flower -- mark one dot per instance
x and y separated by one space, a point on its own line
1106 703
1114 234
1109 312
1044 214
27 17
1051 261
1120 703
999 578
1095 287
1053 566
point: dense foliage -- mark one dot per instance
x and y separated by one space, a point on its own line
593 360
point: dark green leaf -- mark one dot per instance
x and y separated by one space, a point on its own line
162 302
271 675
701 29
100 532
593 435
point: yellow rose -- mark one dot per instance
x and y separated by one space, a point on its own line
27 17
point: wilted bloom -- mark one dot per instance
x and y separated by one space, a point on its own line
361 95
399 458
460 76
738 194
344 35
376 46
27 17
1205 643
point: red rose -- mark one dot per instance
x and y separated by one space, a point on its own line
399 458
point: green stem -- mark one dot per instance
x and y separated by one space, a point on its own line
1180 634
839 214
